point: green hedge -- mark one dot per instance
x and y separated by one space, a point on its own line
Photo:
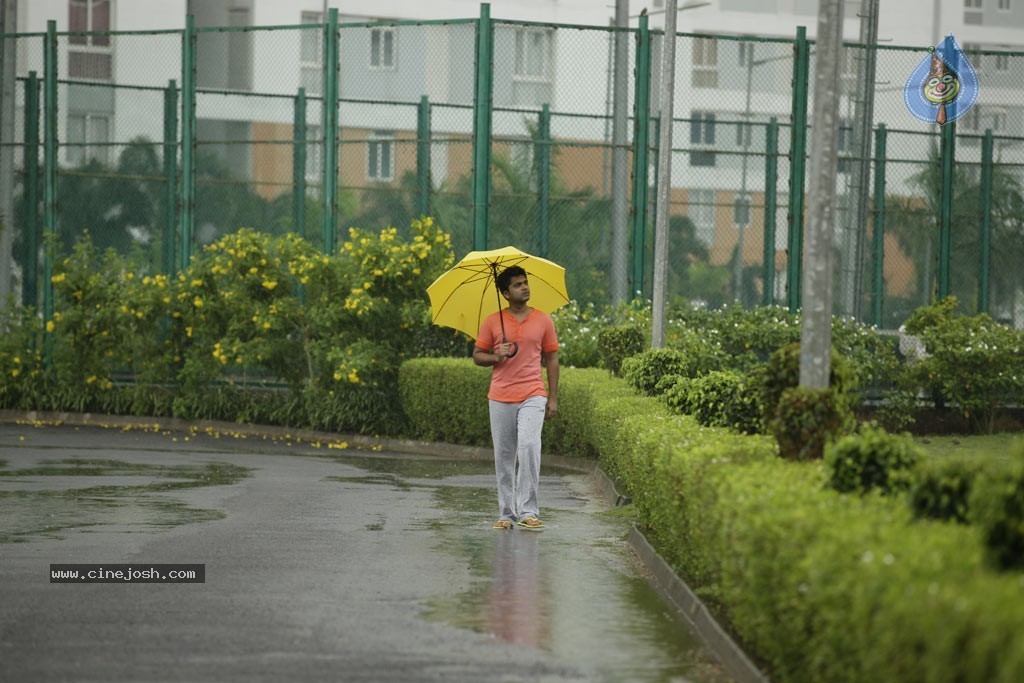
820 586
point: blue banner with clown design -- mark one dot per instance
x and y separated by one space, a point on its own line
944 86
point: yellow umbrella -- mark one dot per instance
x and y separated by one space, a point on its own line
466 294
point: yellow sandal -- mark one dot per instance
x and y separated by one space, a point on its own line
503 524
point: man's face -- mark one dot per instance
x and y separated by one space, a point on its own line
518 290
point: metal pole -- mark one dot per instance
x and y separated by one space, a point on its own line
620 161
641 150
330 119
668 77
482 120
862 128
879 226
170 157
816 329
948 155
30 283
8 73
187 220
741 227
797 156
771 180
986 221
299 135
49 174
543 156
423 154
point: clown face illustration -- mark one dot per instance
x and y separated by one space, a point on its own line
942 88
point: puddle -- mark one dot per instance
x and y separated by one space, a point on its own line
56 496
572 591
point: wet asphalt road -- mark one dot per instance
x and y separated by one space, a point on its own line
321 564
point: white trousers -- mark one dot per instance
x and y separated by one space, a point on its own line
515 430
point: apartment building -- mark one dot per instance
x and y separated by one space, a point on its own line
732 78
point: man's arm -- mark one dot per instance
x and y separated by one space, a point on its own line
550 360
487 359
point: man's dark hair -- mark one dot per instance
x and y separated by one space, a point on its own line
504 278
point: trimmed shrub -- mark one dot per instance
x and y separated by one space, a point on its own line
726 399
997 508
445 399
974 364
871 459
617 343
805 421
940 488
646 369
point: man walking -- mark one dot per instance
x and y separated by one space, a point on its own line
516 341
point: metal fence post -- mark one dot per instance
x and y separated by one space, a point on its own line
30 286
330 119
482 121
641 151
170 157
771 179
543 156
947 156
797 168
299 133
187 220
50 231
878 238
986 221
423 154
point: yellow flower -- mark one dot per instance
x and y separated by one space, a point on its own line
15 372
266 326
269 284
188 331
60 277
91 379
197 302
197 283
49 326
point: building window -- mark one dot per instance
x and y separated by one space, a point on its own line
844 146
1002 62
973 4
382 49
701 210
1005 5
971 120
311 54
533 54
380 158
89 56
702 133
746 54
88 135
314 153
705 63
973 51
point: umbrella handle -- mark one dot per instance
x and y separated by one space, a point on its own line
501 318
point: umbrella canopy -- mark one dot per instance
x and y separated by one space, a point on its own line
466 294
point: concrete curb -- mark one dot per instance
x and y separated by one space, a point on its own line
734 660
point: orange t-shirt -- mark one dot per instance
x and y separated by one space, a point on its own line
516 379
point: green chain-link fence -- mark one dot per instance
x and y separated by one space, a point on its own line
160 142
